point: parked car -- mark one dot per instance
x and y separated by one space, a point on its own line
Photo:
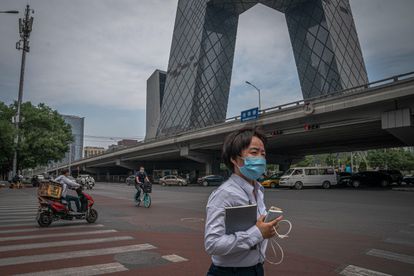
396 175
130 180
169 180
371 178
210 180
408 180
271 181
344 178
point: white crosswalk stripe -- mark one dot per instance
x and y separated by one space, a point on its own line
61 243
50 228
67 234
352 270
81 271
74 254
391 256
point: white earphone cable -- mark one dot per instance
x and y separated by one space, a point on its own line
274 243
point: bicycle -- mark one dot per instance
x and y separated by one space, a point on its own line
144 196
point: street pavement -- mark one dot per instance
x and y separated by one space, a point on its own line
335 232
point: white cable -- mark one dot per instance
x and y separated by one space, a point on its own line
273 243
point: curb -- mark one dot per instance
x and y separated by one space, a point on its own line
410 189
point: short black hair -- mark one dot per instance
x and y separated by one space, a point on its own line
238 141
64 171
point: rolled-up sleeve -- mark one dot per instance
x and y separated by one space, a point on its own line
216 241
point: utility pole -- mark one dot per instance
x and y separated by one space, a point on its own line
25 27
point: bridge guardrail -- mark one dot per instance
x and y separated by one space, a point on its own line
352 90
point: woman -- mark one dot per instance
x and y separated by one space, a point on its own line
240 253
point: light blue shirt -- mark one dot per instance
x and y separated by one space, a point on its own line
234 250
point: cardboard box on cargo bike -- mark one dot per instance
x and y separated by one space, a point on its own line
50 189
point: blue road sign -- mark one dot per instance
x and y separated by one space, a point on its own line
250 114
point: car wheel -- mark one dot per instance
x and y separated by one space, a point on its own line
384 183
205 183
180 183
326 184
273 185
356 184
163 183
298 185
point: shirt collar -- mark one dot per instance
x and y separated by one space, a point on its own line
246 186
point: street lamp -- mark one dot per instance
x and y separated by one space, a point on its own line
25 27
258 90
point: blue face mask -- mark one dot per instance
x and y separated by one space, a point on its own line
254 167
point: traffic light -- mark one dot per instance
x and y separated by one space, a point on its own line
309 127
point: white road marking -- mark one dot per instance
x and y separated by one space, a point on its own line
74 254
61 243
174 258
352 270
17 220
81 270
17 217
61 227
391 256
17 238
399 241
17 224
407 232
28 207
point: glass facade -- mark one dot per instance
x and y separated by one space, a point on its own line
323 36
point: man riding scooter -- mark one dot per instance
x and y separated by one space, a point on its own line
67 183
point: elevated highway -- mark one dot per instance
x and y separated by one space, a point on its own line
376 115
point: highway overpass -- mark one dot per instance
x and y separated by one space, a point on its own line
375 115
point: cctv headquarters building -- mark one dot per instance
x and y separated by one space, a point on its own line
195 91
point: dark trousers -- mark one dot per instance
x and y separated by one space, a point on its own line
75 199
256 270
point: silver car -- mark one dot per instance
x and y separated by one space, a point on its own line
169 180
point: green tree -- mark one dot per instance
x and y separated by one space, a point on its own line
44 136
7 133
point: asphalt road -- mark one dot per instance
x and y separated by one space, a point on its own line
335 232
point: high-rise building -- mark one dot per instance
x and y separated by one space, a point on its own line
76 147
155 94
92 151
324 41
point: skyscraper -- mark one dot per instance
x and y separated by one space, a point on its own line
323 36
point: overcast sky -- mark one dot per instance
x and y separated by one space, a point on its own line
92 58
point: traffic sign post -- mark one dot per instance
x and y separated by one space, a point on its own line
250 114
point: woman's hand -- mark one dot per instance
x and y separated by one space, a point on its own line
268 228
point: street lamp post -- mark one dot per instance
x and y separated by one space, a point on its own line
25 27
258 90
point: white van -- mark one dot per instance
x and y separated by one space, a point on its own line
309 176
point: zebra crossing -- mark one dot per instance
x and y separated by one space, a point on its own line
27 249
403 238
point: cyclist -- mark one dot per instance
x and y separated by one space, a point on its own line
140 178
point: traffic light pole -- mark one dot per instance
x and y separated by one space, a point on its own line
25 27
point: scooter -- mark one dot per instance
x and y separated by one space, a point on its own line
51 209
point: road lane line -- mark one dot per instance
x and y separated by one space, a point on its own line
391 256
16 220
17 217
81 270
61 243
174 258
352 270
50 228
399 241
74 254
18 238
18 224
407 232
